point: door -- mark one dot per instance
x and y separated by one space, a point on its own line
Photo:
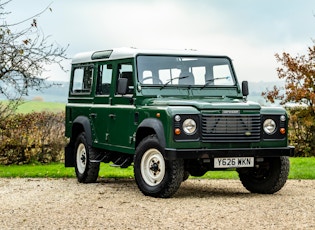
121 116
101 107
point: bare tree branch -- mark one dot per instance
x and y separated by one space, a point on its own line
24 56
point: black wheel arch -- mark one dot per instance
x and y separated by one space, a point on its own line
151 126
80 124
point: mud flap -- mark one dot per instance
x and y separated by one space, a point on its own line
69 156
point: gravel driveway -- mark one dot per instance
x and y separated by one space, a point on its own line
118 204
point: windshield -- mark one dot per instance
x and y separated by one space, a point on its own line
185 71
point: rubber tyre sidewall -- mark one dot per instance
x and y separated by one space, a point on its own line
174 171
90 173
273 182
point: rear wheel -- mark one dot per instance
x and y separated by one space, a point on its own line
86 171
154 175
268 178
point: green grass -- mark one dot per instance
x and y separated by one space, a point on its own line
38 106
57 170
35 170
301 168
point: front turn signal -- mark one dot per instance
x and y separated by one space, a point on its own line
177 131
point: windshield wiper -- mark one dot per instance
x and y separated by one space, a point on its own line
170 80
212 80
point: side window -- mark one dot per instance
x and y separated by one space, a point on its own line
125 71
104 79
82 79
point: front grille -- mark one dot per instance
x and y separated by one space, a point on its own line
230 128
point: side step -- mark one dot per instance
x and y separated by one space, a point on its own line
122 162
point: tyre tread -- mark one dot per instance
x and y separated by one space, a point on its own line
272 184
174 171
92 168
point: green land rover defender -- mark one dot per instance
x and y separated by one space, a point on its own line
171 114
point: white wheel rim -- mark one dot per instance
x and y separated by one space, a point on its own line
152 167
81 158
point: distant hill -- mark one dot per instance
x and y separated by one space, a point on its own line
58 92
256 88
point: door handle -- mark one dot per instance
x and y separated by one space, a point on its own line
113 116
93 115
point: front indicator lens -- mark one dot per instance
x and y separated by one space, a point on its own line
269 126
189 126
177 131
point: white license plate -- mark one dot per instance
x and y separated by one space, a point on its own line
234 162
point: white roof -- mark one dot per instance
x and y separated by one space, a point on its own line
121 53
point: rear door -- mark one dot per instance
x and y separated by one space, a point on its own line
80 95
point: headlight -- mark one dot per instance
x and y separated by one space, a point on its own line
189 126
269 126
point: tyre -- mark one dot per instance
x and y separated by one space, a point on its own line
154 175
186 175
268 178
86 171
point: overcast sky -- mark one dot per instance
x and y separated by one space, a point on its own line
248 31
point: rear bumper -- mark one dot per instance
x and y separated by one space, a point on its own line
172 154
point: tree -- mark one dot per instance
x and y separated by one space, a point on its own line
24 55
299 75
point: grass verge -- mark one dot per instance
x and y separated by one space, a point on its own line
301 168
38 106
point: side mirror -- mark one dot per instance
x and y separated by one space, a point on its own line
245 88
122 87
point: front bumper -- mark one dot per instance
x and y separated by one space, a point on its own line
172 154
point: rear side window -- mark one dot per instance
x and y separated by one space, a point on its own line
82 80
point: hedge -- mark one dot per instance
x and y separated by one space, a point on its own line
302 131
33 137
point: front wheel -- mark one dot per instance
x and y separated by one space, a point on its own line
154 175
268 177
86 171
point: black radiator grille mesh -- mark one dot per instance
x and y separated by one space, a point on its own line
230 128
